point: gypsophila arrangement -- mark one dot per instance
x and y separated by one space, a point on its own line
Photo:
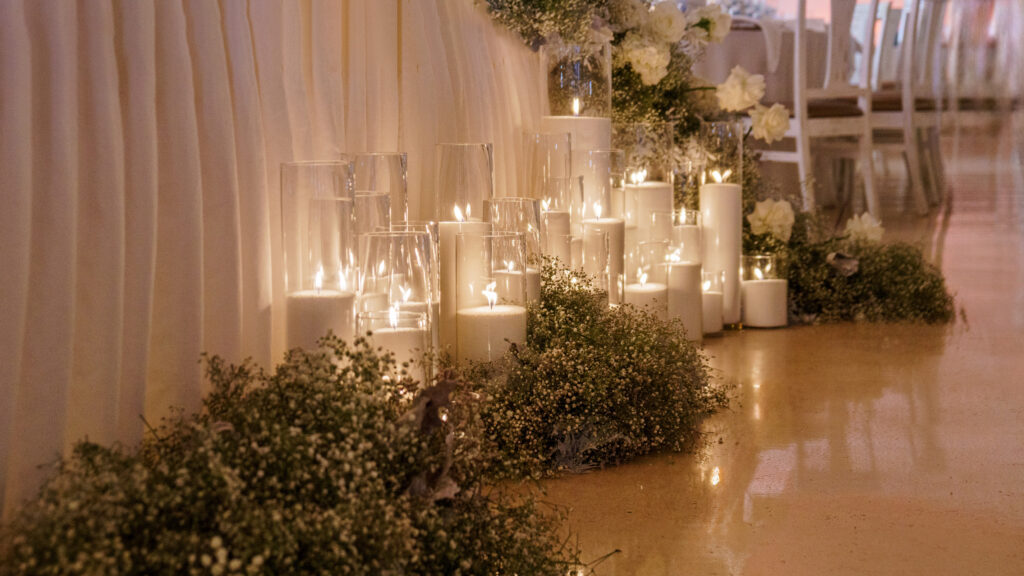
853 276
326 466
594 386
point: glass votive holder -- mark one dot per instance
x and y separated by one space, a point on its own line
384 173
317 229
648 283
595 257
491 298
686 234
763 293
405 335
548 158
713 284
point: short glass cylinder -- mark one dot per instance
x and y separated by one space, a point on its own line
649 150
396 272
404 334
317 229
384 173
463 181
579 80
520 216
759 267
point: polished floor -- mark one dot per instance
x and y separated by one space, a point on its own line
852 449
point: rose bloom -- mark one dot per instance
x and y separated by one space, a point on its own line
769 124
650 62
864 228
773 217
740 91
667 22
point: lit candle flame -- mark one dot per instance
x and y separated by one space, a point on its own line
716 476
406 292
492 296
720 176
510 266
545 204
382 268
638 176
575 106
641 276
675 256
597 210
318 279
706 285
458 214
393 316
758 273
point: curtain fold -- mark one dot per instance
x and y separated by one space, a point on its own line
139 170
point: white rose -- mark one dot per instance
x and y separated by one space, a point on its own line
721 23
667 22
864 228
769 124
740 91
773 217
649 61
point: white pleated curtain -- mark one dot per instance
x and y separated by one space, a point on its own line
140 145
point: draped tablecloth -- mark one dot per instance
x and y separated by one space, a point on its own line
751 47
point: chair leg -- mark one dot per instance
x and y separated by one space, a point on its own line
940 166
913 156
867 171
803 149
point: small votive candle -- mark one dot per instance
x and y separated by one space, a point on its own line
764 293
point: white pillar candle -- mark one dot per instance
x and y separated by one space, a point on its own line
688 237
577 252
764 303
309 314
712 317
407 345
685 300
650 197
615 229
587 133
532 285
652 295
449 273
721 207
484 332
433 315
556 228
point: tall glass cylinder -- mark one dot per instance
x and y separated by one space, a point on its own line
464 180
317 229
600 203
579 79
686 235
522 216
721 208
395 272
723 150
556 206
433 230
385 173
685 298
548 156
713 282
491 295
595 257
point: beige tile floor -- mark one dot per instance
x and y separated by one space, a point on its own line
852 449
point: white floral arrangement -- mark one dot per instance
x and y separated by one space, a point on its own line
864 228
773 217
744 91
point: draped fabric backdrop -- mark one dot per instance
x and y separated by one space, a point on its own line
140 145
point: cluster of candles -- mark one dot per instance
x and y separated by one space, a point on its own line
461 283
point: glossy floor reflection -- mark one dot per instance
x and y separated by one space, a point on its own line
852 449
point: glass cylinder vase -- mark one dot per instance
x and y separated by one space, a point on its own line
385 173
579 79
491 295
317 228
764 293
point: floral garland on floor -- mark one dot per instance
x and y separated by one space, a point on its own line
326 466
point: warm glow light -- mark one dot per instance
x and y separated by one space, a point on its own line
707 285
597 211
510 266
318 279
638 176
458 214
716 476
675 256
758 273
575 106
545 204
641 276
406 292
382 268
720 176
492 296
393 316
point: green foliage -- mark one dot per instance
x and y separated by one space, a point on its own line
324 467
874 282
594 385
537 21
